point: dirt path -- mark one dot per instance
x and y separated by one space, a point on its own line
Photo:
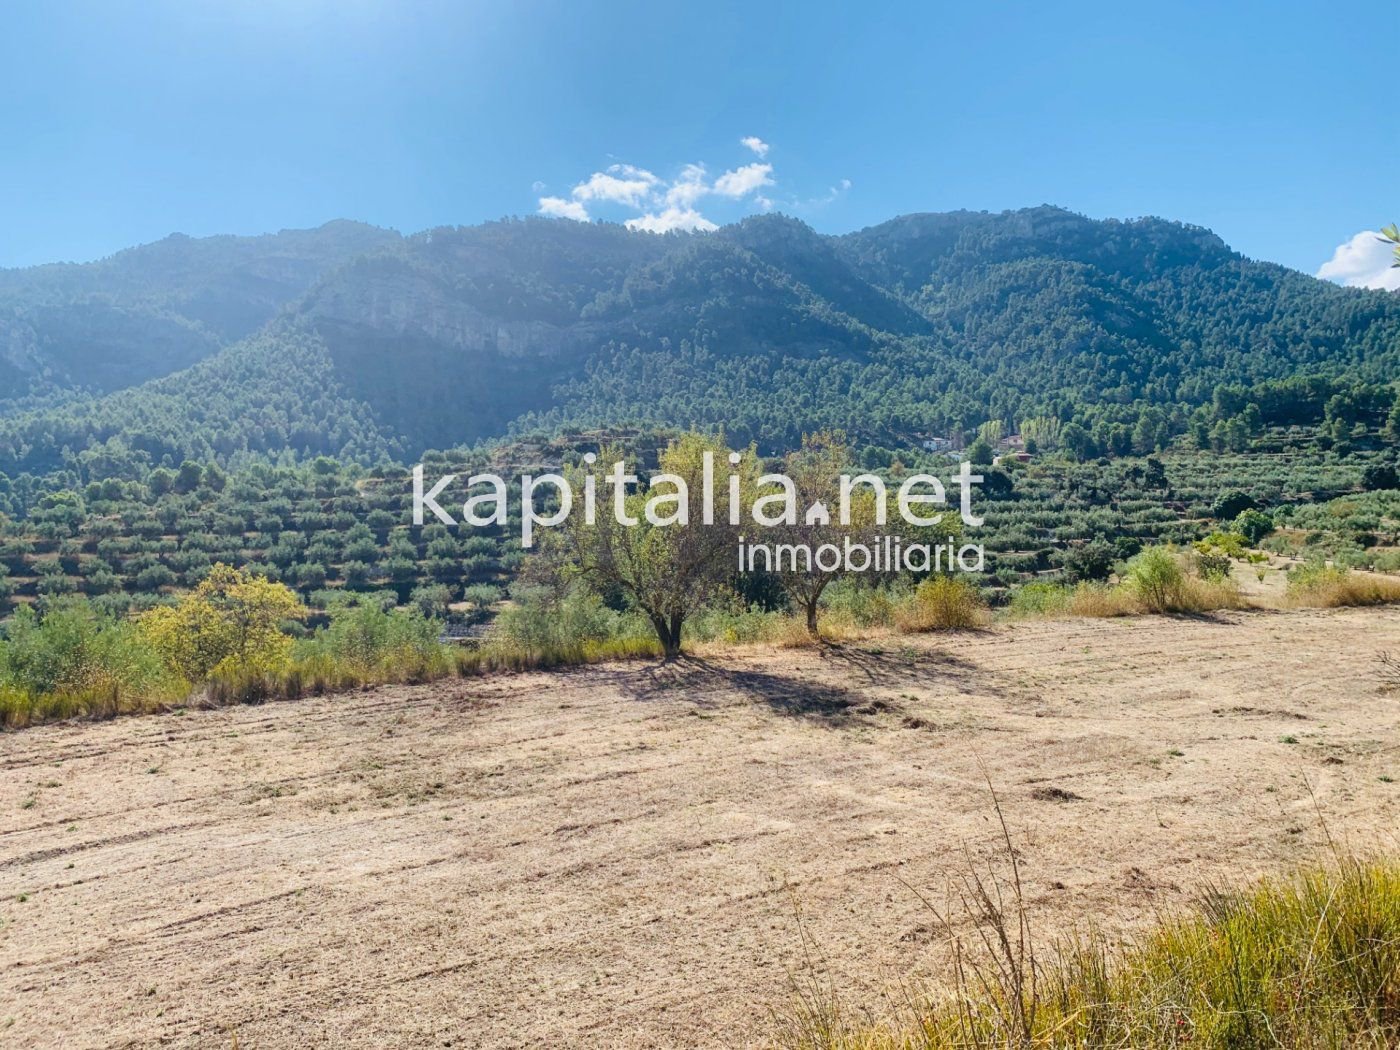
616 856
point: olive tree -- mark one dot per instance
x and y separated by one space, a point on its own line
657 542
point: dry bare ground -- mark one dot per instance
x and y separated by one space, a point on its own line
616 856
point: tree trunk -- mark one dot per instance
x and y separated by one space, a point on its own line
812 619
669 633
673 650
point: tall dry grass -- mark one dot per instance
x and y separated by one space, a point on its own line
1330 586
1307 961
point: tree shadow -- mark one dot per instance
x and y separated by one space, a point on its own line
708 684
903 663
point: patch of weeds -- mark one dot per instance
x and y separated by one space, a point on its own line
1290 739
1054 794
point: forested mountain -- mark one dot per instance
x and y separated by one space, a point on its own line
924 324
149 311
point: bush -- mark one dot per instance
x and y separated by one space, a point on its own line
1091 561
1378 477
851 603
229 625
1155 579
75 661
1086 599
1231 505
1253 525
1213 564
365 643
541 622
1041 599
942 603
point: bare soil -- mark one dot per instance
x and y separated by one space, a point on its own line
641 856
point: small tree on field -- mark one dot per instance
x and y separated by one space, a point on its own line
1254 525
229 624
815 471
669 561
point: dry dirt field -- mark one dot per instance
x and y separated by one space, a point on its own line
618 856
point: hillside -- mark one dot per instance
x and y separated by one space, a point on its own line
924 324
149 311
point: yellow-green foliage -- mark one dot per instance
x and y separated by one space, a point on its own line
1330 586
74 662
1231 544
1307 962
942 603
228 626
1058 599
1156 580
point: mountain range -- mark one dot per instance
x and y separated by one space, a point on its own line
357 342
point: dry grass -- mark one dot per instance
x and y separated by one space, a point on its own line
1332 587
1189 595
20 709
1308 961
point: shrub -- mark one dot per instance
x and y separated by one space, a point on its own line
365 643
541 622
942 603
853 604
1041 599
1155 579
1379 476
75 661
1231 505
1213 564
1230 544
1091 561
1086 599
1254 525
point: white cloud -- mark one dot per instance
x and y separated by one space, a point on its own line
559 208
647 201
537 186
672 218
742 181
632 188
1363 262
688 187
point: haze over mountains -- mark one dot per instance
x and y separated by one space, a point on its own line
353 341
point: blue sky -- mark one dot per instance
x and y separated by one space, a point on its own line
1273 124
